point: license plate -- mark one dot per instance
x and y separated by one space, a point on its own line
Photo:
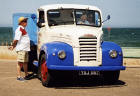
89 73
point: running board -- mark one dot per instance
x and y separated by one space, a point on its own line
35 63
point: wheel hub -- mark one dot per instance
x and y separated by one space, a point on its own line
44 71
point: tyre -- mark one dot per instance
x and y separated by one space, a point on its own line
43 72
110 77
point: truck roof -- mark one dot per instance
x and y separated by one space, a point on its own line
68 6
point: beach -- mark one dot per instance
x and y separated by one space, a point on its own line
127 85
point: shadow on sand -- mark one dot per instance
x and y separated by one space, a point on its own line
86 84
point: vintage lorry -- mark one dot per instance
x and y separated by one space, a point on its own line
65 43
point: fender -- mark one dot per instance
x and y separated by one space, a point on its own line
51 51
106 59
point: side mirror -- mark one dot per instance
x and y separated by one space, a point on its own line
39 24
33 16
108 18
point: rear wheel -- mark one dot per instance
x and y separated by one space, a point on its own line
43 72
110 77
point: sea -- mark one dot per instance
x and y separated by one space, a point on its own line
125 37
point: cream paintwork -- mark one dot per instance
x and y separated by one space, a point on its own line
74 6
70 34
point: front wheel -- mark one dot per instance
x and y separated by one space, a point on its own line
110 77
44 72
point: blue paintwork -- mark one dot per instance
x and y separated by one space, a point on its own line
106 59
101 68
54 48
36 63
31 27
54 63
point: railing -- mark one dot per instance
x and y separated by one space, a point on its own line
5 43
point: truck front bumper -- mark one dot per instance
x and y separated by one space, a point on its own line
83 68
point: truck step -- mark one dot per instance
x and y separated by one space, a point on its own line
35 63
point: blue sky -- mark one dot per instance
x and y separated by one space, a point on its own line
124 13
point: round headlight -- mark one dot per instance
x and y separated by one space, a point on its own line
62 54
113 53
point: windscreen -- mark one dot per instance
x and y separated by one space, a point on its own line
60 17
74 16
88 17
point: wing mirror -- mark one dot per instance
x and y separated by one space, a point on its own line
108 18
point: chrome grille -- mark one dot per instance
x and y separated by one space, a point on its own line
88 48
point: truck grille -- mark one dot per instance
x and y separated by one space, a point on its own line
88 48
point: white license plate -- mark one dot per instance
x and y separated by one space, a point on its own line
89 73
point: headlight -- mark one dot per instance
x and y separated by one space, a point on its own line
113 53
62 54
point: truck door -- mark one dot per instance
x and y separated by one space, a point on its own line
31 27
41 26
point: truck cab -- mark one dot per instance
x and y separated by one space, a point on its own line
70 39
64 25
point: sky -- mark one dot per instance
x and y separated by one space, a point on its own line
124 13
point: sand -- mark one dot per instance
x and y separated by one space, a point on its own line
135 62
6 54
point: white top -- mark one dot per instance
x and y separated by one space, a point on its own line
75 6
23 39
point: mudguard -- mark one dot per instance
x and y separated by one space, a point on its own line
106 59
51 50
31 27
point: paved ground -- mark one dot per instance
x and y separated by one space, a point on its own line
128 85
